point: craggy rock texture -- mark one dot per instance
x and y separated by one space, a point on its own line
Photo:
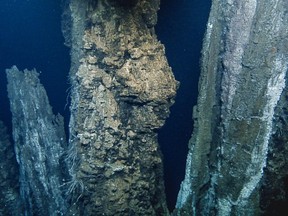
39 145
122 88
241 113
10 203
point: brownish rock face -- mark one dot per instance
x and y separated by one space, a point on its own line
122 88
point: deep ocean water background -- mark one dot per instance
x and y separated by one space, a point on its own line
181 27
31 37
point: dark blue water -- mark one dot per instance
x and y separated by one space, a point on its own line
30 37
181 26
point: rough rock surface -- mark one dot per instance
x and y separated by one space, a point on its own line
274 190
39 141
10 203
122 88
242 90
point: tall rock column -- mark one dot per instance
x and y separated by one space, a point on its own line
39 143
122 88
243 75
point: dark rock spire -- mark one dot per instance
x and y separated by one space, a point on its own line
40 142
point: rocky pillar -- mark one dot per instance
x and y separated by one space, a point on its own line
122 88
40 142
243 76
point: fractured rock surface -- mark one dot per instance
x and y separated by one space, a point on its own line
243 79
39 143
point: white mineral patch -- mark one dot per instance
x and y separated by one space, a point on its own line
238 38
275 86
185 188
209 29
224 207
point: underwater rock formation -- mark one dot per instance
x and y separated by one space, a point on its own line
121 91
39 142
241 116
122 88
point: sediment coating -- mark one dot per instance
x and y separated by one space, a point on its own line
122 88
243 76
